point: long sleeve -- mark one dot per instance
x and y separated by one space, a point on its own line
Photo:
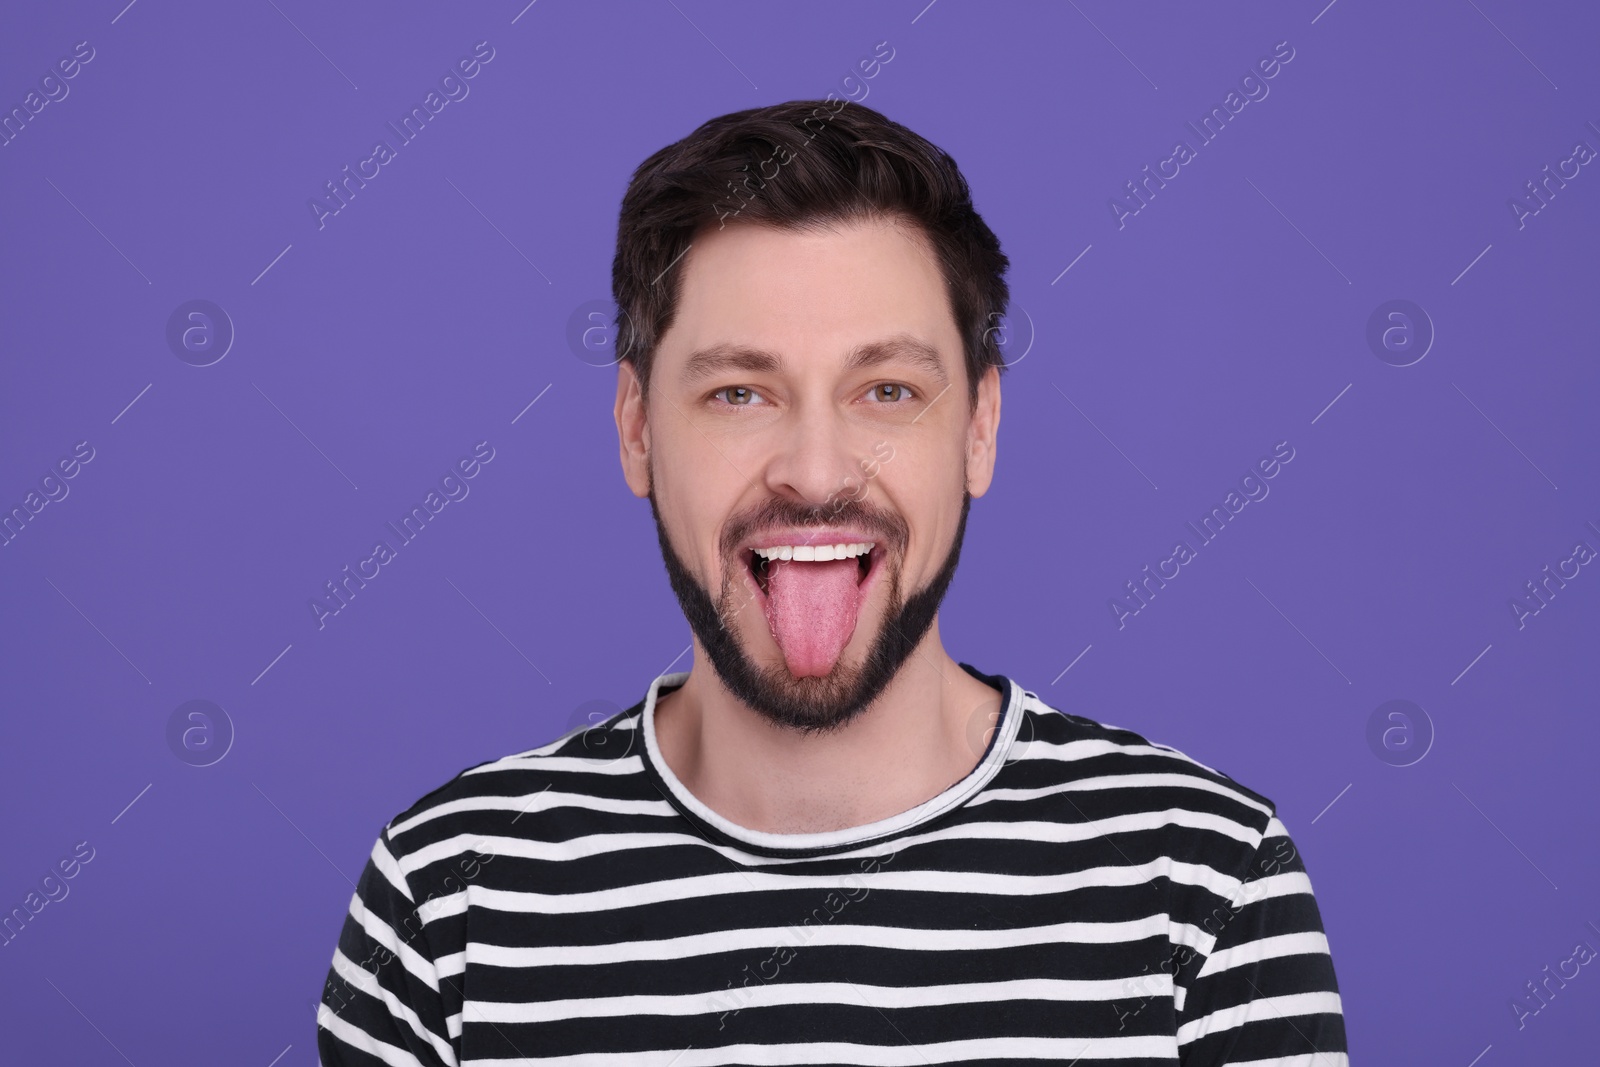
381 1003
1266 994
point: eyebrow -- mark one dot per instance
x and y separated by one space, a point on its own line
714 359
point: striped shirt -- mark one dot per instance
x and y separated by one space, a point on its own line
1083 896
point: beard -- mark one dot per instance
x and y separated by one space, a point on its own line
813 704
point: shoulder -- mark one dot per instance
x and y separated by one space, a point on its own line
487 807
1113 773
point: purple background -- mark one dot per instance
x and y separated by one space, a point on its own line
1227 315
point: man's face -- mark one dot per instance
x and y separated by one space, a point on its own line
811 391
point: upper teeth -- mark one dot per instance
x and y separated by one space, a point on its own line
815 552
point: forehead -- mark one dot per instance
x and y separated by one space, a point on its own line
810 294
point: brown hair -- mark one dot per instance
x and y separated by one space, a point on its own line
799 165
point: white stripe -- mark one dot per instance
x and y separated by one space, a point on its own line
1265 948
1096 746
703 887
1260 1008
359 1039
1037 749
779 993
599 763
541 801
909 939
1060 1050
1121 781
1305 1059
385 935
604 843
367 982
1190 936
390 869
1274 885
493 846
1036 704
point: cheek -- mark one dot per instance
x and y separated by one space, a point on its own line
924 487
695 500
928 476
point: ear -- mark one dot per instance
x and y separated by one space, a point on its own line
633 430
982 431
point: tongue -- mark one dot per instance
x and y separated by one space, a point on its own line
811 611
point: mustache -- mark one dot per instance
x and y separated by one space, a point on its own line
887 528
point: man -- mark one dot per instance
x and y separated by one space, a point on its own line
828 842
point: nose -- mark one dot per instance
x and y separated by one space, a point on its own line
815 457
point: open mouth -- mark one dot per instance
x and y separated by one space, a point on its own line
812 596
763 561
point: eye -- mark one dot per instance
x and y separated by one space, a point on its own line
886 392
738 395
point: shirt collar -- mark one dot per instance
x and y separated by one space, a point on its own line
717 828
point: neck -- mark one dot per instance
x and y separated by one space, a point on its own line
925 731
